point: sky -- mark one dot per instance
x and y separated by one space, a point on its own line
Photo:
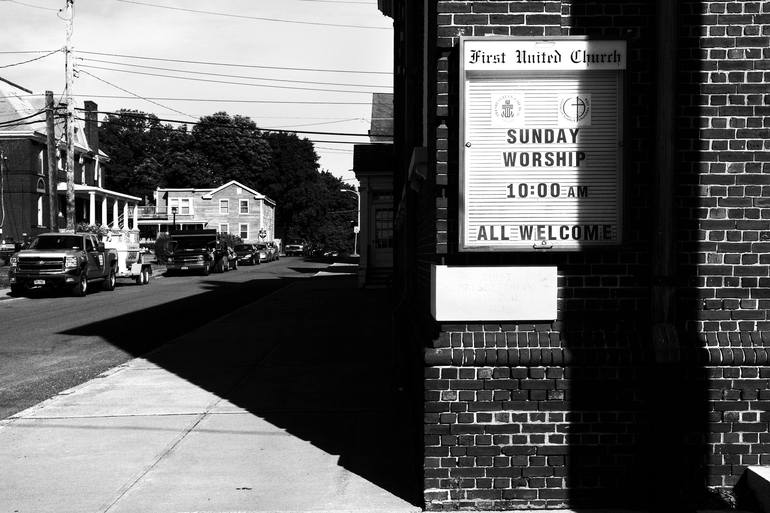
343 47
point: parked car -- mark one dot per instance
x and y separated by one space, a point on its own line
294 248
63 260
247 254
264 252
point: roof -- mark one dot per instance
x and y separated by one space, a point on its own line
17 102
62 186
209 192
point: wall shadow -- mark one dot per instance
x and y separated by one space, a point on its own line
637 391
314 358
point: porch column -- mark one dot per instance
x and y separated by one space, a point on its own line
125 216
92 208
104 211
115 214
136 216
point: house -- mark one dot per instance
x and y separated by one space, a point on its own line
373 166
25 192
231 208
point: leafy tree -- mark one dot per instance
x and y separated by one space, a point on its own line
127 138
292 180
233 147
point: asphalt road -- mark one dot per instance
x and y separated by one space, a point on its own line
52 342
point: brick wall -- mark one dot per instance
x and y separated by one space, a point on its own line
578 412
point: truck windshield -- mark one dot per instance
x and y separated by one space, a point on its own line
57 242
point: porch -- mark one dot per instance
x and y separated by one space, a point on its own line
98 206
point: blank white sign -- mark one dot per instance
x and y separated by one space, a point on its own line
493 293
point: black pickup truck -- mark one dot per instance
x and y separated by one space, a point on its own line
198 251
63 260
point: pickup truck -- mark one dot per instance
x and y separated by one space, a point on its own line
199 251
63 260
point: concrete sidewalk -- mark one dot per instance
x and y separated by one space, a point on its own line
287 404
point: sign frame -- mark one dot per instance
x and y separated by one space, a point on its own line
541 245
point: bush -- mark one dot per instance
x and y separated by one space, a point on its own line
229 239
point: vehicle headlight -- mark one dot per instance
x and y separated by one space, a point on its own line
200 258
70 261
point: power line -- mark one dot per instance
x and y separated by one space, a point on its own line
13 121
262 129
215 100
283 131
224 81
322 123
30 60
32 5
257 18
234 76
232 65
27 51
137 96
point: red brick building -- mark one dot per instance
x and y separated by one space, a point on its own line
649 384
25 192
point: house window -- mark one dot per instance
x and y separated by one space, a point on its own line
40 210
40 187
42 163
383 228
223 228
244 231
224 206
244 206
184 205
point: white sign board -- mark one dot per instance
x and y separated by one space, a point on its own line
540 144
500 293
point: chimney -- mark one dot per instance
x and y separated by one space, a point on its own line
92 125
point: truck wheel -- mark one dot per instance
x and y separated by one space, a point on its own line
109 281
145 276
207 270
17 290
235 265
81 288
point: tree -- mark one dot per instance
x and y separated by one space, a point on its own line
145 154
233 148
126 138
292 180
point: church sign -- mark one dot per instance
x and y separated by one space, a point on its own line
540 143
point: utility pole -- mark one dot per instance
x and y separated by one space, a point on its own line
53 150
69 72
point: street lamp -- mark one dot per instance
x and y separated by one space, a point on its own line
357 227
173 212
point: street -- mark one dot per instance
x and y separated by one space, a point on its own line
51 342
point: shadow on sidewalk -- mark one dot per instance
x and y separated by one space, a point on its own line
315 358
